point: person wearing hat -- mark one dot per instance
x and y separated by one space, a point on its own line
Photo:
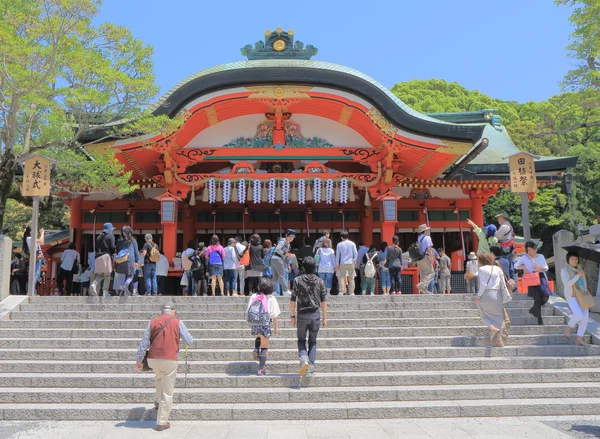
506 238
278 262
486 236
103 264
425 265
161 340
472 273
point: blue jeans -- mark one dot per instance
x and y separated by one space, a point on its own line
190 288
230 281
150 278
511 268
308 324
328 279
384 278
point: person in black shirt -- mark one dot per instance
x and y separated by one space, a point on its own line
309 296
305 251
105 248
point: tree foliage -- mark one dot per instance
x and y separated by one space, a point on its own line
61 75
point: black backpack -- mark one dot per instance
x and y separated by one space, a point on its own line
415 252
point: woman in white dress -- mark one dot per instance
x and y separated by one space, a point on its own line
573 278
489 297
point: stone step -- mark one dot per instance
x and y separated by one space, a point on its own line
321 379
270 395
284 323
287 332
311 410
218 299
236 306
520 335
241 313
275 354
291 366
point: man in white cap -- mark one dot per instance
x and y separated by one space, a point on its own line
425 265
161 340
278 262
506 239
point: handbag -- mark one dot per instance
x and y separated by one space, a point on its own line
531 279
245 259
145 366
506 296
585 299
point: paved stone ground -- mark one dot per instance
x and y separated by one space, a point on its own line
444 428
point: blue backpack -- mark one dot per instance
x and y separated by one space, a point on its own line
268 257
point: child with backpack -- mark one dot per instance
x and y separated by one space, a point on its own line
263 312
371 263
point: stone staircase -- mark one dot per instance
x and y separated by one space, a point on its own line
72 358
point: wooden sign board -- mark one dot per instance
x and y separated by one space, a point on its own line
522 173
36 176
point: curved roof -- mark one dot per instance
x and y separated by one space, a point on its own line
293 71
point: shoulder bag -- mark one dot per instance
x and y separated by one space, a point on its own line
145 366
531 279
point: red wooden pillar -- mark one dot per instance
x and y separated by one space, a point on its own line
189 225
366 226
76 220
169 240
476 217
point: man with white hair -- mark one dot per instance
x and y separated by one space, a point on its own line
161 340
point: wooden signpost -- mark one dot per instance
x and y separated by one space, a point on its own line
36 184
524 182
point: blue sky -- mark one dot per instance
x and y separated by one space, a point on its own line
510 49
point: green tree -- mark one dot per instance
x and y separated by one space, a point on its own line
61 76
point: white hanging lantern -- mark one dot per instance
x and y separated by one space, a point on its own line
272 189
212 191
343 184
257 192
329 191
317 193
226 191
242 191
302 192
285 191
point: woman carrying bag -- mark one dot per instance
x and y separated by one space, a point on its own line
534 267
577 295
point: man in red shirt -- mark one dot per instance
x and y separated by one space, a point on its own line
161 340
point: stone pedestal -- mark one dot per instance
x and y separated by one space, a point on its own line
5 258
559 240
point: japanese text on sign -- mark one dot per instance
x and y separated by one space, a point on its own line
522 173
36 177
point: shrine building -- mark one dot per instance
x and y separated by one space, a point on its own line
283 141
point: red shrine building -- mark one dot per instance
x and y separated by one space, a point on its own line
283 141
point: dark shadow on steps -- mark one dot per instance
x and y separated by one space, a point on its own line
588 430
137 414
138 424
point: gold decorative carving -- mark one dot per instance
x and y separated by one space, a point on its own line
345 115
211 115
279 92
279 45
267 32
381 122
279 30
455 148
291 32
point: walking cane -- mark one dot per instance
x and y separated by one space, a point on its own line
186 366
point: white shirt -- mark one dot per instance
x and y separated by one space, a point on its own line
425 243
490 277
240 249
528 262
68 258
162 266
28 240
85 276
326 260
473 267
346 253
569 281
230 258
274 310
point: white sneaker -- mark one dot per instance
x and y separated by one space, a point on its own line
287 293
